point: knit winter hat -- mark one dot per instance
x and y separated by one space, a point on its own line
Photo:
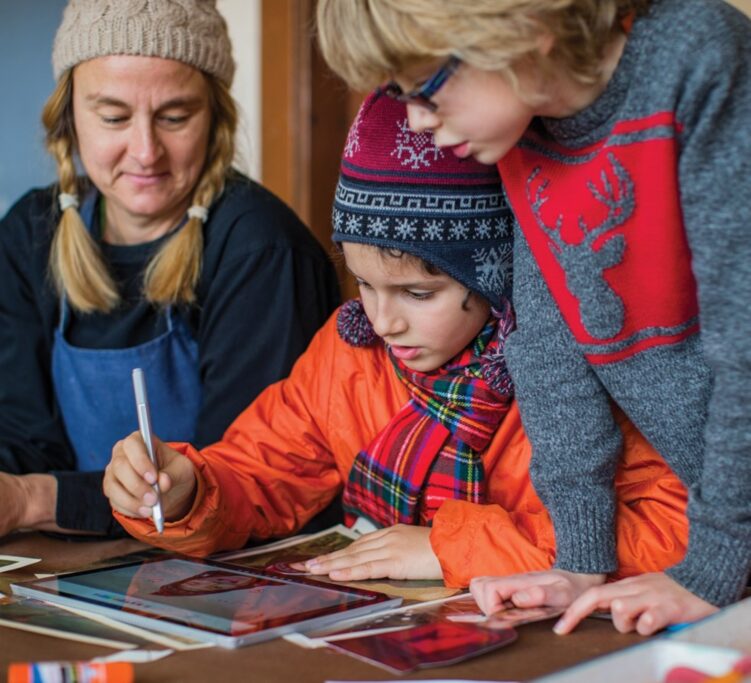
398 190
190 31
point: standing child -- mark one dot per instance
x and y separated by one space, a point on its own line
402 400
621 131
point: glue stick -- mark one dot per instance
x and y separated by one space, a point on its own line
70 672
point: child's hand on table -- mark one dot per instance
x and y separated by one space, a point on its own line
129 477
645 604
398 552
552 588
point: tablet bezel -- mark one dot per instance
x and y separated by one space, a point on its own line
370 601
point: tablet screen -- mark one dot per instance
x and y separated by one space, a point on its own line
208 595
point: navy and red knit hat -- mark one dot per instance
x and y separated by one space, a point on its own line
398 190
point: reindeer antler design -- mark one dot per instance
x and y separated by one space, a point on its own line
620 204
601 309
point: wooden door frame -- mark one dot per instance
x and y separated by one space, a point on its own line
305 114
285 102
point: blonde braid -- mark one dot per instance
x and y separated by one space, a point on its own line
172 274
76 263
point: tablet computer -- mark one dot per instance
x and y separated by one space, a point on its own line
207 600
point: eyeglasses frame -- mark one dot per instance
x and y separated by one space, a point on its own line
421 96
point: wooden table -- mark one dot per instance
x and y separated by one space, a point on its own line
536 652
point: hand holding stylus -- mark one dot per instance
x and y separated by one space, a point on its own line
133 477
144 426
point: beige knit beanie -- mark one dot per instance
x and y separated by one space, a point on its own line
190 31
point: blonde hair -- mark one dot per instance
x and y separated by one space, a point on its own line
76 263
367 42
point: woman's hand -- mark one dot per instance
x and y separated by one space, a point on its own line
552 588
645 604
13 495
28 502
398 552
129 477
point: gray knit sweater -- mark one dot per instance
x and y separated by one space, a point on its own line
632 271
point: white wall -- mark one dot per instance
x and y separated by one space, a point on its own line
244 21
26 33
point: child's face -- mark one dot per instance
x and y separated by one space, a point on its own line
419 315
479 113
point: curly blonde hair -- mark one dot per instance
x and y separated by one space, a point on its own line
76 263
367 42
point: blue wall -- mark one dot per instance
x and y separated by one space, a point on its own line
27 29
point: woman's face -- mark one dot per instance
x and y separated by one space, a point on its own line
142 126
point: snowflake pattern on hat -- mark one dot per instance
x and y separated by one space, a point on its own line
493 266
409 216
352 145
417 230
398 190
416 147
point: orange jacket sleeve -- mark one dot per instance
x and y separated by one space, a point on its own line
513 533
272 471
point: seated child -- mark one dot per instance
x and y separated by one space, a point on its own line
401 401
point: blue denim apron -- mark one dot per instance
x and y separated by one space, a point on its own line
95 392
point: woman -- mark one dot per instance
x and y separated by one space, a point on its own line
161 257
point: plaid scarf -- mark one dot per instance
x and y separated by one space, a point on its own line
432 449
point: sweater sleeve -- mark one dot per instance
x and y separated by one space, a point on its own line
32 438
568 418
715 167
271 472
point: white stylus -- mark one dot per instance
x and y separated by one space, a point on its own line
144 424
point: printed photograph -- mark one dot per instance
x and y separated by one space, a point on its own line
10 563
281 557
434 644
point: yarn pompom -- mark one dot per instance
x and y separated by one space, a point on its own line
353 325
493 364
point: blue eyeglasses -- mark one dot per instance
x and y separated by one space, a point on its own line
421 96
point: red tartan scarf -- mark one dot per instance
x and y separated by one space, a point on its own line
432 449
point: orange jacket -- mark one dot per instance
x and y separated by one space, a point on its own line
287 455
